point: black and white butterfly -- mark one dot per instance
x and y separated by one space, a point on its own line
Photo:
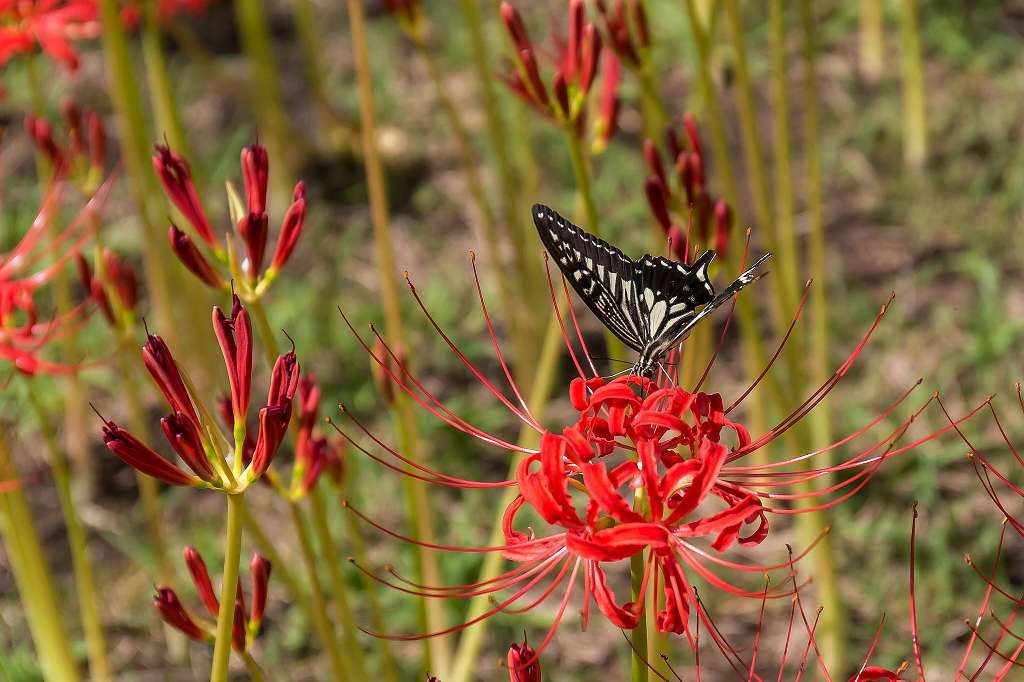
650 304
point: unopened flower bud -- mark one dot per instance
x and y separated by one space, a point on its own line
192 258
591 55
255 171
690 124
284 381
97 141
201 579
291 228
653 160
183 436
273 426
723 227
176 178
122 278
523 663
574 50
516 28
175 615
535 86
138 455
161 366
643 33
657 199
252 228
238 627
234 335
259 571
42 136
561 90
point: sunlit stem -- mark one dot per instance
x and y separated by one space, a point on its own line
468 653
915 124
85 585
513 188
135 141
872 39
251 18
165 107
32 576
318 603
229 579
344 611
638 667
436 654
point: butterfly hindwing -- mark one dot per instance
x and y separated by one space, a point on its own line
601 274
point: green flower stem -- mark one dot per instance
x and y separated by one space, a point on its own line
527 262
915 124
256 673
638 666
436 654
85 585
32 577
251 18
225 616
872 39
516 308
321 620
468 653
388 671
135 141
833 618
347 620
168 119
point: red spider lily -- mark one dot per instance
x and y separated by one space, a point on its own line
244 628
609 102
189 428
576 57
627 30
53 25
684 193
647 466
33 262
251 227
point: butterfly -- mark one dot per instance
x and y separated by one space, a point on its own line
650 304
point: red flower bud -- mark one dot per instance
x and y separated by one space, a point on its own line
657 199
183 436
192 258
291 228
574 51
259 571
252 228
523 663
174 614
273 426
97 141
608 107
255 169
284 381
238 628
42 136
723 227
312 458
561 90
122 278
234 334
690 124
161 366
515 27
653 160
643 33
138 455
672 143
73 120
176 178
201 580
535 85
591 56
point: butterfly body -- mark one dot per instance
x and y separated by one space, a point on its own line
650 304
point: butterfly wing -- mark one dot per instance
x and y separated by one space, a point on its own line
670 294
603 276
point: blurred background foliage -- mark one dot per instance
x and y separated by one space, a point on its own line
945 238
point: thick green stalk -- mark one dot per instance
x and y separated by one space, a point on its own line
161 94
513 209
357 666
872 39
834 619
32 577
135 141
784 222
436 654
339 663
471 642
251 18
229 579
915 124
85 585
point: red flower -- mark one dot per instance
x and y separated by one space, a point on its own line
523 665
51 24
191 435
644 467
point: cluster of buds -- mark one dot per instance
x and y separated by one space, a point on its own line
53 25
683 192
250 221
626 26
82 153
115 287
190 429
245 627
577 61
32 263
